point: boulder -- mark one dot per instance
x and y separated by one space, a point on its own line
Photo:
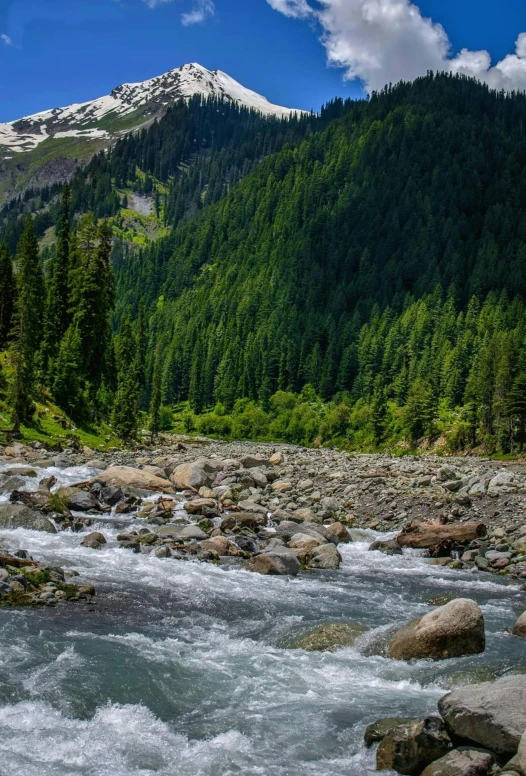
194 475
339 533
254 462
239 520
276 459
408 749
377 731
200 506
274 563
128 477
462 762
14 516
518 763
452 630
286 530
519 629
301 541
387 546
329 637
95 541
325 556
221 546
79 500
306 515
492 714
193 532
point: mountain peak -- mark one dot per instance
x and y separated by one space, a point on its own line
112 116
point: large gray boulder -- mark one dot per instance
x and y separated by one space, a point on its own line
327 638
129 477
453 630
519 629
408 749
194 475
275 564
492 714
14 516
79 500
462 762
326 556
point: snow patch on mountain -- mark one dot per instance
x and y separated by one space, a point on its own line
149 98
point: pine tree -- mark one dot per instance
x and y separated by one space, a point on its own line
68 385
379 411
57 314
27 328
126 405
516 407
155 400
7 293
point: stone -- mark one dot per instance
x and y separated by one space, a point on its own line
491 714
408 749
162 552
387 546
193 532
239 520
254 462
518 763
199 506
325 557
502 482
302 541
377 731
194 475
259 477
111 496
339 532
447 473
79 500
127 476
14 516
20 471
306 515
453 630
95 541
286 530
462 762
276 459
281 486
221 546
275 564
329 637
519 629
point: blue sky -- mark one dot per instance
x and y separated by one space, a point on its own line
298 53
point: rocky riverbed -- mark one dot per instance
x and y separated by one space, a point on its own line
272 581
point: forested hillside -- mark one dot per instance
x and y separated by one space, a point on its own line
358 277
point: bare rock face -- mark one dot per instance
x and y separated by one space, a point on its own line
408 749
453 630
274 563
127 476
462 762
491 715
519 629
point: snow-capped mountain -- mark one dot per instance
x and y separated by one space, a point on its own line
113 115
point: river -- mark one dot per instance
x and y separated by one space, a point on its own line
182 669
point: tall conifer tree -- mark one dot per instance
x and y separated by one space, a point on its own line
7 293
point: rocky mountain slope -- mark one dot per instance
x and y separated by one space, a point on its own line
46 146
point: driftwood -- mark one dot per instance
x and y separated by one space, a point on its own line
8 560
425 536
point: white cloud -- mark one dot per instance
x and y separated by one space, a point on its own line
202 9
382 41
155 3
6 40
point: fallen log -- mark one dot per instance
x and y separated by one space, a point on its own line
8 560
424 536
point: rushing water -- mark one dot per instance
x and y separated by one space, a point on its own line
181 668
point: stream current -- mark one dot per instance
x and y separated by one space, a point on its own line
181 668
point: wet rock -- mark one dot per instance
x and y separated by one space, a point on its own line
239 520
302 541
462 762
162 552
126 476
453 630
275 564
95 541
14 516
408 749
519 629
387 546
111 496
330 637
79 500
492 714
339 533
378 730
325 557
221 546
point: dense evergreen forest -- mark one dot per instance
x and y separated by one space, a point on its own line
357 277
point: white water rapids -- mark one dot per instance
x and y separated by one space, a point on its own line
182 668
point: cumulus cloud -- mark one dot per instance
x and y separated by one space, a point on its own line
382 41
6 40
201 10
